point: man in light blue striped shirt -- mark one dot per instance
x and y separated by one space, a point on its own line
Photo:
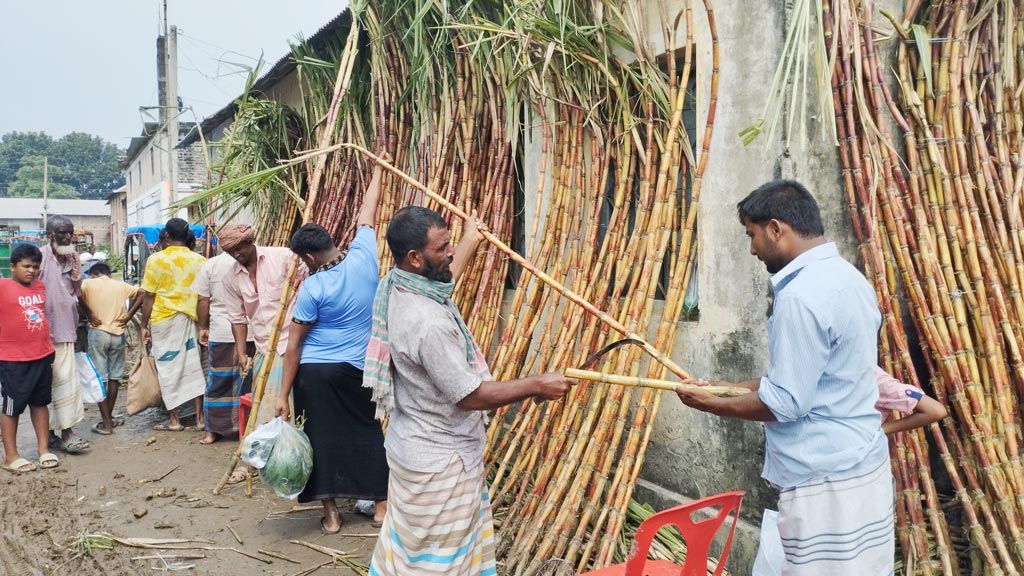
825 450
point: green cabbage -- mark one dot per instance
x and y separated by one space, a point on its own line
290 463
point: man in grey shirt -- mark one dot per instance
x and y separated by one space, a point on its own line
426 371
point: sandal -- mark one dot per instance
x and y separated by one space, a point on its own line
240 474
48 460
73 445
165 427
118 421
99 429
20 466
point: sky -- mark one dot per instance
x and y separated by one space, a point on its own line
88 66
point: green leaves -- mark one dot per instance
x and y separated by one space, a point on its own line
28 181
923 41
86 164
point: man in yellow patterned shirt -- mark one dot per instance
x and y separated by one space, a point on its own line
169 322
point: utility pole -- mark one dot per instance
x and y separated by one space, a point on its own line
171 113
46 205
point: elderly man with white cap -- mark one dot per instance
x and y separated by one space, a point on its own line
61 272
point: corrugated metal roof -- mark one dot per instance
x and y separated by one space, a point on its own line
149 131
29 208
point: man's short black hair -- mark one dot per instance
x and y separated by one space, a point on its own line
99 269
786 201
177 230
310 239
26 252
408 230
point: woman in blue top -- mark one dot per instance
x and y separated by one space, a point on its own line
325 355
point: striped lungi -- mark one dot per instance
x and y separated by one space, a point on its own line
178 365
841 525
268 403
436 523
223 388
66 407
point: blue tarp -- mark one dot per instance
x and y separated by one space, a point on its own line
152 232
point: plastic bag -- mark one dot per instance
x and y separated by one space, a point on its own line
770 556
93 390
290 462
258 444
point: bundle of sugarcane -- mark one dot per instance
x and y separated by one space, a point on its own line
941 227
566 471
444 92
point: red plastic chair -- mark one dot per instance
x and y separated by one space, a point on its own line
698 536
244 404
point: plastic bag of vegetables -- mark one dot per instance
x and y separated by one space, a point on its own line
290 462
257 445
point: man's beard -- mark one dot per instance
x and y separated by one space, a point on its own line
63 250
436 274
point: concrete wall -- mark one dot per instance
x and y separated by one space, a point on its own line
144 179
692 454
118 220
98 225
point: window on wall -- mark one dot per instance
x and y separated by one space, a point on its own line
518 240
683 192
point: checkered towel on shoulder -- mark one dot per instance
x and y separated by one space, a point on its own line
377 372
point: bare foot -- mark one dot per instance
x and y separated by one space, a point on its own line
332 525
209 438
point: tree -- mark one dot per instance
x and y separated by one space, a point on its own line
91 166
28 182
16 145
87 163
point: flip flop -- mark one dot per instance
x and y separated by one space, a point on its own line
168 428
99 430
376 523
75 445
48 460
20 466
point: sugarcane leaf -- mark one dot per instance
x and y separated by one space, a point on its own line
923 41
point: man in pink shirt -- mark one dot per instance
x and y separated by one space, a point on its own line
252 293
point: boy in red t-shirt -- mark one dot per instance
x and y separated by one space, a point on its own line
26 358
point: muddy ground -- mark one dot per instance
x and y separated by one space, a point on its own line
43 514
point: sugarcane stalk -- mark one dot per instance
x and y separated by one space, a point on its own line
518 259
343 78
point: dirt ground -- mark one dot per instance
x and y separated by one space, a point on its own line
44 513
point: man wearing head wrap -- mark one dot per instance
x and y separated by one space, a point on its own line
61 273
252 293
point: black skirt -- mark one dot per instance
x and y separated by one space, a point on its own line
348 444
